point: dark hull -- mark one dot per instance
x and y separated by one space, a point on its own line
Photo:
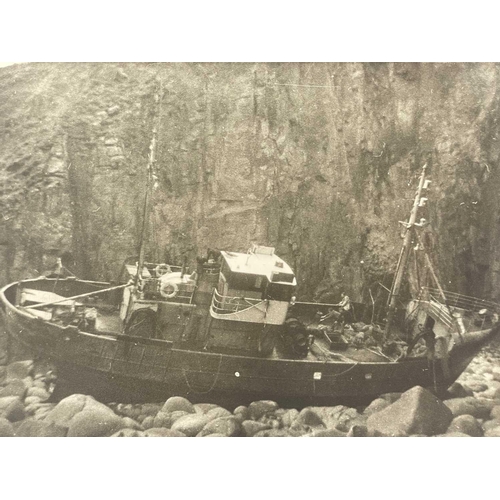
115 368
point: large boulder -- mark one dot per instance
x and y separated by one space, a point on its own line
241 413
178 403
376 405
478 408
466 424
205 407
495 412
308 417
258 409
38 392
218 412
84 416
457 390
128 433
417 411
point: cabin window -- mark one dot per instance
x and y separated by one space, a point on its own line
277 291
249 282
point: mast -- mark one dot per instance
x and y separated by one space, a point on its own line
405 252
149 178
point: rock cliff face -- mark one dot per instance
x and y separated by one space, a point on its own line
319 160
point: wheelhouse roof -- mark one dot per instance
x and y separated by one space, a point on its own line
258 264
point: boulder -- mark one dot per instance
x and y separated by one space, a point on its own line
495 412
162 432
12 408
251 427
84 416
6 428
36 428
177 403
495 432
466 424
95 422
491 424
191 424
457 390
417 411
14 388
129 423
330 415
357 430
479 408
375 406
19 370
241 413
166 420
307 417
148 422
227 426
258 409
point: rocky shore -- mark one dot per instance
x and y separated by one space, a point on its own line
472 409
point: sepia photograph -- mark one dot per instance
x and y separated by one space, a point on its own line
245 247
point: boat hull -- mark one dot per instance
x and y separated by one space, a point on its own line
126 369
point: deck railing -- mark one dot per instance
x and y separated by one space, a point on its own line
226 304
457 300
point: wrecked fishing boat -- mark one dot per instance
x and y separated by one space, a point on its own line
232 328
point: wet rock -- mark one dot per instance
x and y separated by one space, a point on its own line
6 428
227 426
14 388
162 432
479 408
465 424
67 408
191 424
258 409
307 417
251 427
36 428
417 411
457 390
19 370
166 420
177 403
12 408
375 406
